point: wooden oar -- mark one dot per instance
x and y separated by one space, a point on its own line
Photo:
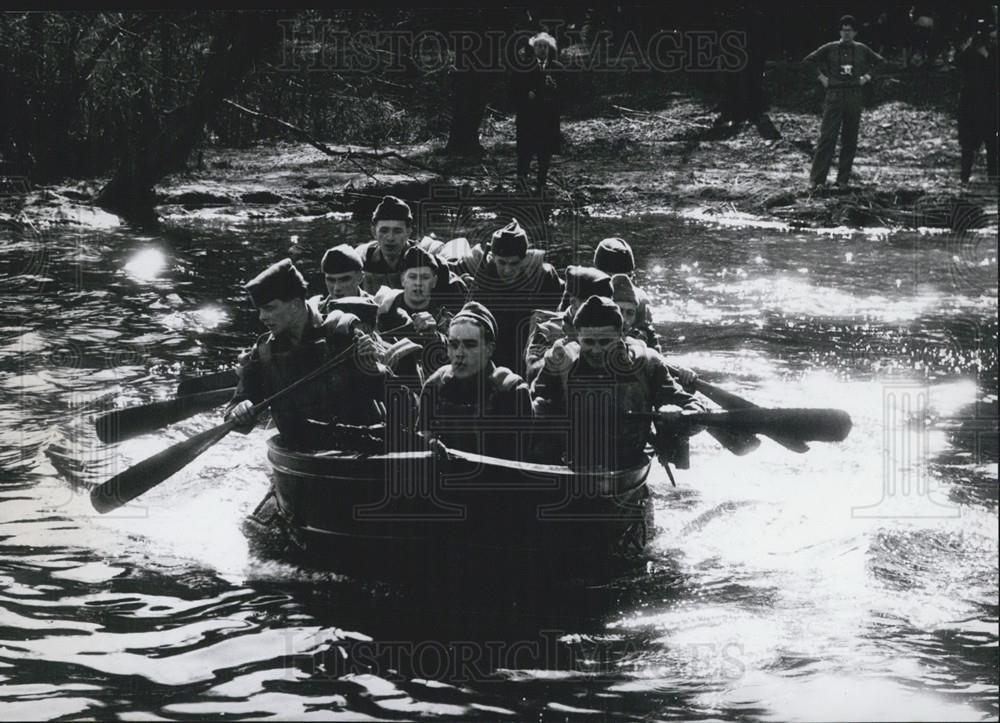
806 425
121 424
736 442
150 472
728 400
207 382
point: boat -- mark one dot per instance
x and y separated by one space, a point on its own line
419 513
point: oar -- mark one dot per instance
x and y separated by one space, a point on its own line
736 442
806 425
121 424
207 382
150 472
728 400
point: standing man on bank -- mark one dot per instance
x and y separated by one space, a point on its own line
535 92
844 67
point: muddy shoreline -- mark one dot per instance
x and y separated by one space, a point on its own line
627 161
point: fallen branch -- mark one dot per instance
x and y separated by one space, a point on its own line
661 118
326 150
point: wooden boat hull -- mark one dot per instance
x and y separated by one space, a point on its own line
413 512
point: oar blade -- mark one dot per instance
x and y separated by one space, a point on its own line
728 400
797 425
122 424
737 443
148 473
811 425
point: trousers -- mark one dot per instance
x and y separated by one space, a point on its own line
841 116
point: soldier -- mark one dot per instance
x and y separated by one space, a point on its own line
392 224
471 403
553 327
596 380
418 300
343 274
614 256
514 281
297 342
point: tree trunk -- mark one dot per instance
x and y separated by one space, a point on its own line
165 148
468 105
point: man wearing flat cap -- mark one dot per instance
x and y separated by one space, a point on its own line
513 281
614 256
343 274
596 380
297 342
554 327
471 403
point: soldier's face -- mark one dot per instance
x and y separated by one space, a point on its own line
391 236
468 352
847 32
418 283
281 317
629 311
340 285
508 267
595 343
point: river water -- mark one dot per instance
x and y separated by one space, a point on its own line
857 581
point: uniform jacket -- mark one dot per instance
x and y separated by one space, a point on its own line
637 380
539 287
345 394
487 414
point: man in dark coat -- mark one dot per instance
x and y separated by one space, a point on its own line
977 103
535 92
512 282
843 68
298 341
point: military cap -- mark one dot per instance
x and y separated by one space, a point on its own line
585 281
479 315
280 280
598 311
511 240
614 256
341 260
416 257
622 289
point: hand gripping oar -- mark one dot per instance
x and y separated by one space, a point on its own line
739 443
805 425
121 424
151 471
728 400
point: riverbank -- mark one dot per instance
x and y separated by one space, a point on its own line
644 152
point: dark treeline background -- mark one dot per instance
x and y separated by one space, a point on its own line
130 94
